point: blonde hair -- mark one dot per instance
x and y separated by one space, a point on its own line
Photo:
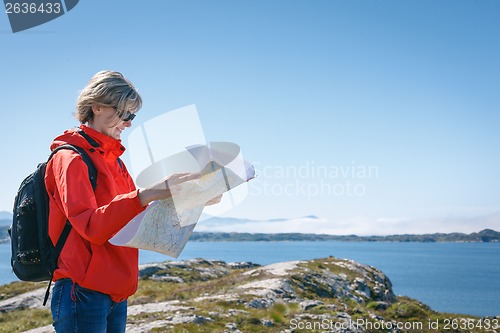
107 88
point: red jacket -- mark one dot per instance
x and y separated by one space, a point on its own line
87 257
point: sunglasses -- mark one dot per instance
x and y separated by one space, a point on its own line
128 116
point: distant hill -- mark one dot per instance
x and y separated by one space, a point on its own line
485 236
5 215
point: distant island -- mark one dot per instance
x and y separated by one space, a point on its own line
484 236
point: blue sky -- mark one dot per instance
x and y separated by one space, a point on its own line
310 90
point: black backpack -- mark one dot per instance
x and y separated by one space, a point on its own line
34 257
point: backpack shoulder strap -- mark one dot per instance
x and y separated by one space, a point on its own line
85 157
87 137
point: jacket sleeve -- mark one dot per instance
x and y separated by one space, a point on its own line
74 195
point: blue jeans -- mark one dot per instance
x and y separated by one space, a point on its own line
77 309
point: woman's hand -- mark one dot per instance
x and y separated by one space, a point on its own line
163 189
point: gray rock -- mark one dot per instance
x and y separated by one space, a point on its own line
267 323
343 315
183 319
259 303
309 304
166 278
232 326
241 265
360 287
30 300
147 270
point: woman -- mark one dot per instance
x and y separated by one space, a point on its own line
94 278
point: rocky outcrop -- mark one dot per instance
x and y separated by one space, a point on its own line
305 286
30 300
329 295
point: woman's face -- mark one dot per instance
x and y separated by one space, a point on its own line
107 122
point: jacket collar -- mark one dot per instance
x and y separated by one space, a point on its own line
107 146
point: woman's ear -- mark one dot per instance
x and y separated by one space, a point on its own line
96 108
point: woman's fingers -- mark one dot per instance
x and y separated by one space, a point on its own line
178 178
